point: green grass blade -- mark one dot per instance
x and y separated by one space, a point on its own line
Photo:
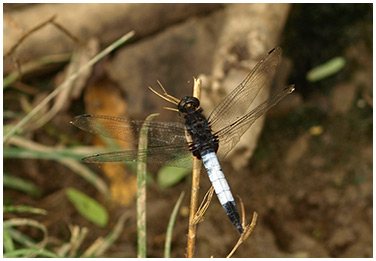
28 222
88 175
141 190
26 252
21 238
21 185
25 153
7 242
170 226
23 208
66 157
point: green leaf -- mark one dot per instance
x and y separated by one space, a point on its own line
326 69
170 176
88 207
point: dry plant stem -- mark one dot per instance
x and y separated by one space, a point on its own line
25 35
195 188
204 206
246 234
66 83
107 242
66 31
77 237
36 28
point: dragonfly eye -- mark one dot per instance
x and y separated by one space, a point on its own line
188 104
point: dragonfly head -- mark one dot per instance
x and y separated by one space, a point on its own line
188 105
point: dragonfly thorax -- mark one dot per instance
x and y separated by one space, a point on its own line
203 140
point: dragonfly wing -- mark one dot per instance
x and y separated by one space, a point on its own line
237 103
159 133
178 156
231 134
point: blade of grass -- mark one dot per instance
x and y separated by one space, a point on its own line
31 149
107 242
93 247
170 226
63 250
36 65
20 238
28 222
23 208
41 252
67 82
25 153
7 242
25 186
141 190
88 175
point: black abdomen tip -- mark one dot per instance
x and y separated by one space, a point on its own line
233 215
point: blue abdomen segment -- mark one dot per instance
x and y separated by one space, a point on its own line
221 188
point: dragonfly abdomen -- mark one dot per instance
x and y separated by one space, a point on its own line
221 187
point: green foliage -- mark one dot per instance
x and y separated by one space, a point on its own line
88 207
141 189
327 69
170 227
20 185
22 208
170 176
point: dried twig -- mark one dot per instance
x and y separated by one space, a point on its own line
25 35
204 206
195 188
67 32
39 26
248 229
194 215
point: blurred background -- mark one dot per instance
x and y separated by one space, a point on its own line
305 168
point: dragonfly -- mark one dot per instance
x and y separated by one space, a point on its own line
211 138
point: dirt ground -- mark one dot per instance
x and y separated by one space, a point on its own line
310 178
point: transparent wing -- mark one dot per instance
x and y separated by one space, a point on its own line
172 156
230 135
159 134
237 103
167 143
